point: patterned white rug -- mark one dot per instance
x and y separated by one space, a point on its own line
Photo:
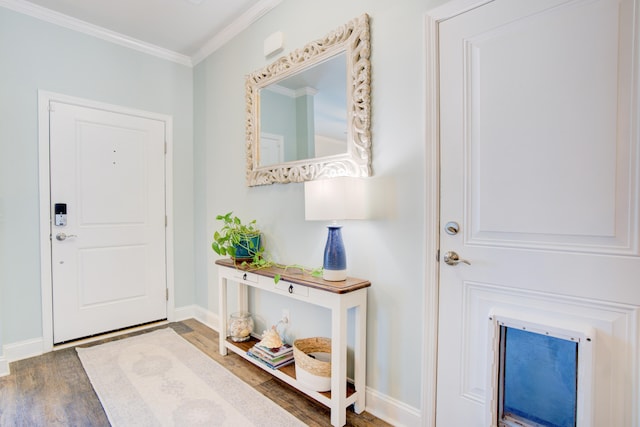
160 379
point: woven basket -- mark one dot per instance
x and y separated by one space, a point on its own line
317 373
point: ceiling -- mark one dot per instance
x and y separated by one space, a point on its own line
189 29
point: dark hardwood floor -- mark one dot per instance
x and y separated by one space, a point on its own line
53 389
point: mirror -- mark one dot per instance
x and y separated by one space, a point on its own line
308 113
305 115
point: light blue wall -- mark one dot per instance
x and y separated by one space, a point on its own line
388 251
36 55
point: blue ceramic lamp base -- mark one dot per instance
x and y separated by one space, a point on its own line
335 258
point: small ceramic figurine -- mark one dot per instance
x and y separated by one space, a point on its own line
271 339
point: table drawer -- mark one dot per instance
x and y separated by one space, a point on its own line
240 275
292 288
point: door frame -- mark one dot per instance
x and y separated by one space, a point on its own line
430 305
46 279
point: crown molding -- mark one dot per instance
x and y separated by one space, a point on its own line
232 30
281 90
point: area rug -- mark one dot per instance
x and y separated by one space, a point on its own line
160 379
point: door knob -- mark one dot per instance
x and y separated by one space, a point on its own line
64 236
452 258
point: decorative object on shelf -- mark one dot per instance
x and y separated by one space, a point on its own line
335 199
274 358
241 241
313 362
240 326
271 339
271 350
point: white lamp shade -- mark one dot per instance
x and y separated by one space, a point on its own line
336 199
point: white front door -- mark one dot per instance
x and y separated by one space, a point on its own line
540 166
108 254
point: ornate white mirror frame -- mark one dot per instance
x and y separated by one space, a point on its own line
353 38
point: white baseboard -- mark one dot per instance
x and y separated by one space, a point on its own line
24 349
184 313
199 313
391 410
4 367
208 318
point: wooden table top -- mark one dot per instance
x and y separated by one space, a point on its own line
300 277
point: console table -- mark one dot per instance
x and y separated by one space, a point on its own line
338 297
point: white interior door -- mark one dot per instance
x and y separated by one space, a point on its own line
271 149
539 168
108 260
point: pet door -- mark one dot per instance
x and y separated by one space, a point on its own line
540 380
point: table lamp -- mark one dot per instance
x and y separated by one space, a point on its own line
335 199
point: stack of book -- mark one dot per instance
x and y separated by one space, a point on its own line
272 357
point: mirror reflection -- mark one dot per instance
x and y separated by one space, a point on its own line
305 115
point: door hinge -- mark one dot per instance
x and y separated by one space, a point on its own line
167 296
166 221
165 147
438 255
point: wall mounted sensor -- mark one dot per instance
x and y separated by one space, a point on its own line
274 43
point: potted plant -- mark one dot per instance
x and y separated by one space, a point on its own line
242 243
238 240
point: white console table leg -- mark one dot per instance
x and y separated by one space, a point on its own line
222 314
360 354
338 364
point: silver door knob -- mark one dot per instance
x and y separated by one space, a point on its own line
452 258
64 236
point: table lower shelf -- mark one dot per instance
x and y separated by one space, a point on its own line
288 373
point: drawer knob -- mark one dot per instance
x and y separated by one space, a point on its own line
244 276
290 289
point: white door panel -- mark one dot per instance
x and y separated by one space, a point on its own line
540 167
109 170
111 159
